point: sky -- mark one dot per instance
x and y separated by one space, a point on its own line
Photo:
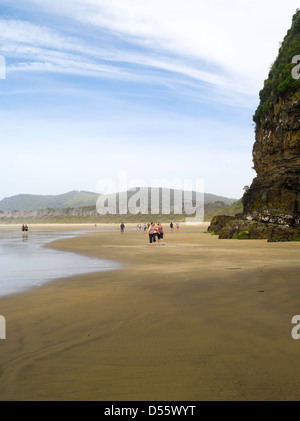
158 90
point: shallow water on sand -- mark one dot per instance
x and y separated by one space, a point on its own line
25 263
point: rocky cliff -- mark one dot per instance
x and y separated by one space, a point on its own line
271 206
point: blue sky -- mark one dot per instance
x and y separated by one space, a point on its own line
160 90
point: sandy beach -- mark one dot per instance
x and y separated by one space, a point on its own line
197 319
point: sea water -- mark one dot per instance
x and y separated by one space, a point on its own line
25 263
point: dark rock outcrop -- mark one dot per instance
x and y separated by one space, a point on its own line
271 206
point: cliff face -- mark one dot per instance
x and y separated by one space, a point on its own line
272 203
274 195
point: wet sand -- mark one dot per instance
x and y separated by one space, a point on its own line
197 319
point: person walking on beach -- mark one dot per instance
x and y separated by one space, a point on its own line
23 231
177 226
122 226
26 231
160 234
152 233
171 226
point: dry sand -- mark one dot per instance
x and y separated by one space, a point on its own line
197 319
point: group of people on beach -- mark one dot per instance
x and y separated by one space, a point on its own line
155 231
24 231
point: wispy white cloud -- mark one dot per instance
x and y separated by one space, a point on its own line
228 45
239 37
43 49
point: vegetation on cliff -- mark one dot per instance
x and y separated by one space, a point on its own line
280 84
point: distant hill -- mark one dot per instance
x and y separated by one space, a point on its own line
90 214
72 199
78 199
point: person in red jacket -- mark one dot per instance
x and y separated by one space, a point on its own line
160 234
